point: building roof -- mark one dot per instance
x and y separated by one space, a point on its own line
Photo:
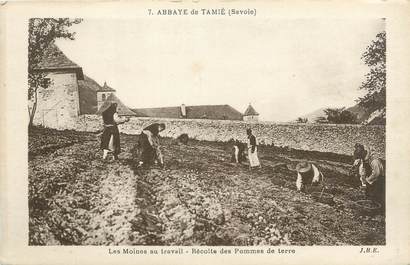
166 112
122 110
87 90
213 112
106 88
250 111
54 60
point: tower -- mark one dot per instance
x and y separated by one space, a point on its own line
58 106
103 94
250 114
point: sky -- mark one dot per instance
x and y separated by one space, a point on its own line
285 68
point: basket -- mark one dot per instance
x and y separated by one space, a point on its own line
367 207
322 197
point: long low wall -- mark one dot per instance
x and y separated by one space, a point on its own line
313 137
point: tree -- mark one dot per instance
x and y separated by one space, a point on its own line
340 116
43 32
375 83
301 120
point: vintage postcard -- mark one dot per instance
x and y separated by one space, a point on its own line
204 132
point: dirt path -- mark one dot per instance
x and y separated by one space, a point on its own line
110 219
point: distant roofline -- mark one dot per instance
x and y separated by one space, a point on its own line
214 111
186 106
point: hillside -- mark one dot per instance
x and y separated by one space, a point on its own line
368 116
361 113
312 116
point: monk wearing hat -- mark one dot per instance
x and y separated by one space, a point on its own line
308 173
110 138
372 172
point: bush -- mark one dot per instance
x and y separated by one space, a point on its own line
338 116
301 120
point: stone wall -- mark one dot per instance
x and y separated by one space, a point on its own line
313 137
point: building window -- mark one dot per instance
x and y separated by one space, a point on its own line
103 96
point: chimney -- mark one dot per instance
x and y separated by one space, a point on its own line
183 110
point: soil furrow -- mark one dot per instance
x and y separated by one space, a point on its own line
200 198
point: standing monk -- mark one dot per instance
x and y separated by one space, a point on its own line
252 150
110 138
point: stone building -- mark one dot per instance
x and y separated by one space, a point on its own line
58 105
250 114
70 93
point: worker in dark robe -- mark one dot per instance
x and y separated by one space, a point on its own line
373 176
150 145
252 150
110 138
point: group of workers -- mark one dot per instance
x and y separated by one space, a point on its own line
366 165
148 142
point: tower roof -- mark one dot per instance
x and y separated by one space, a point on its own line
250 111
106 88
122 110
